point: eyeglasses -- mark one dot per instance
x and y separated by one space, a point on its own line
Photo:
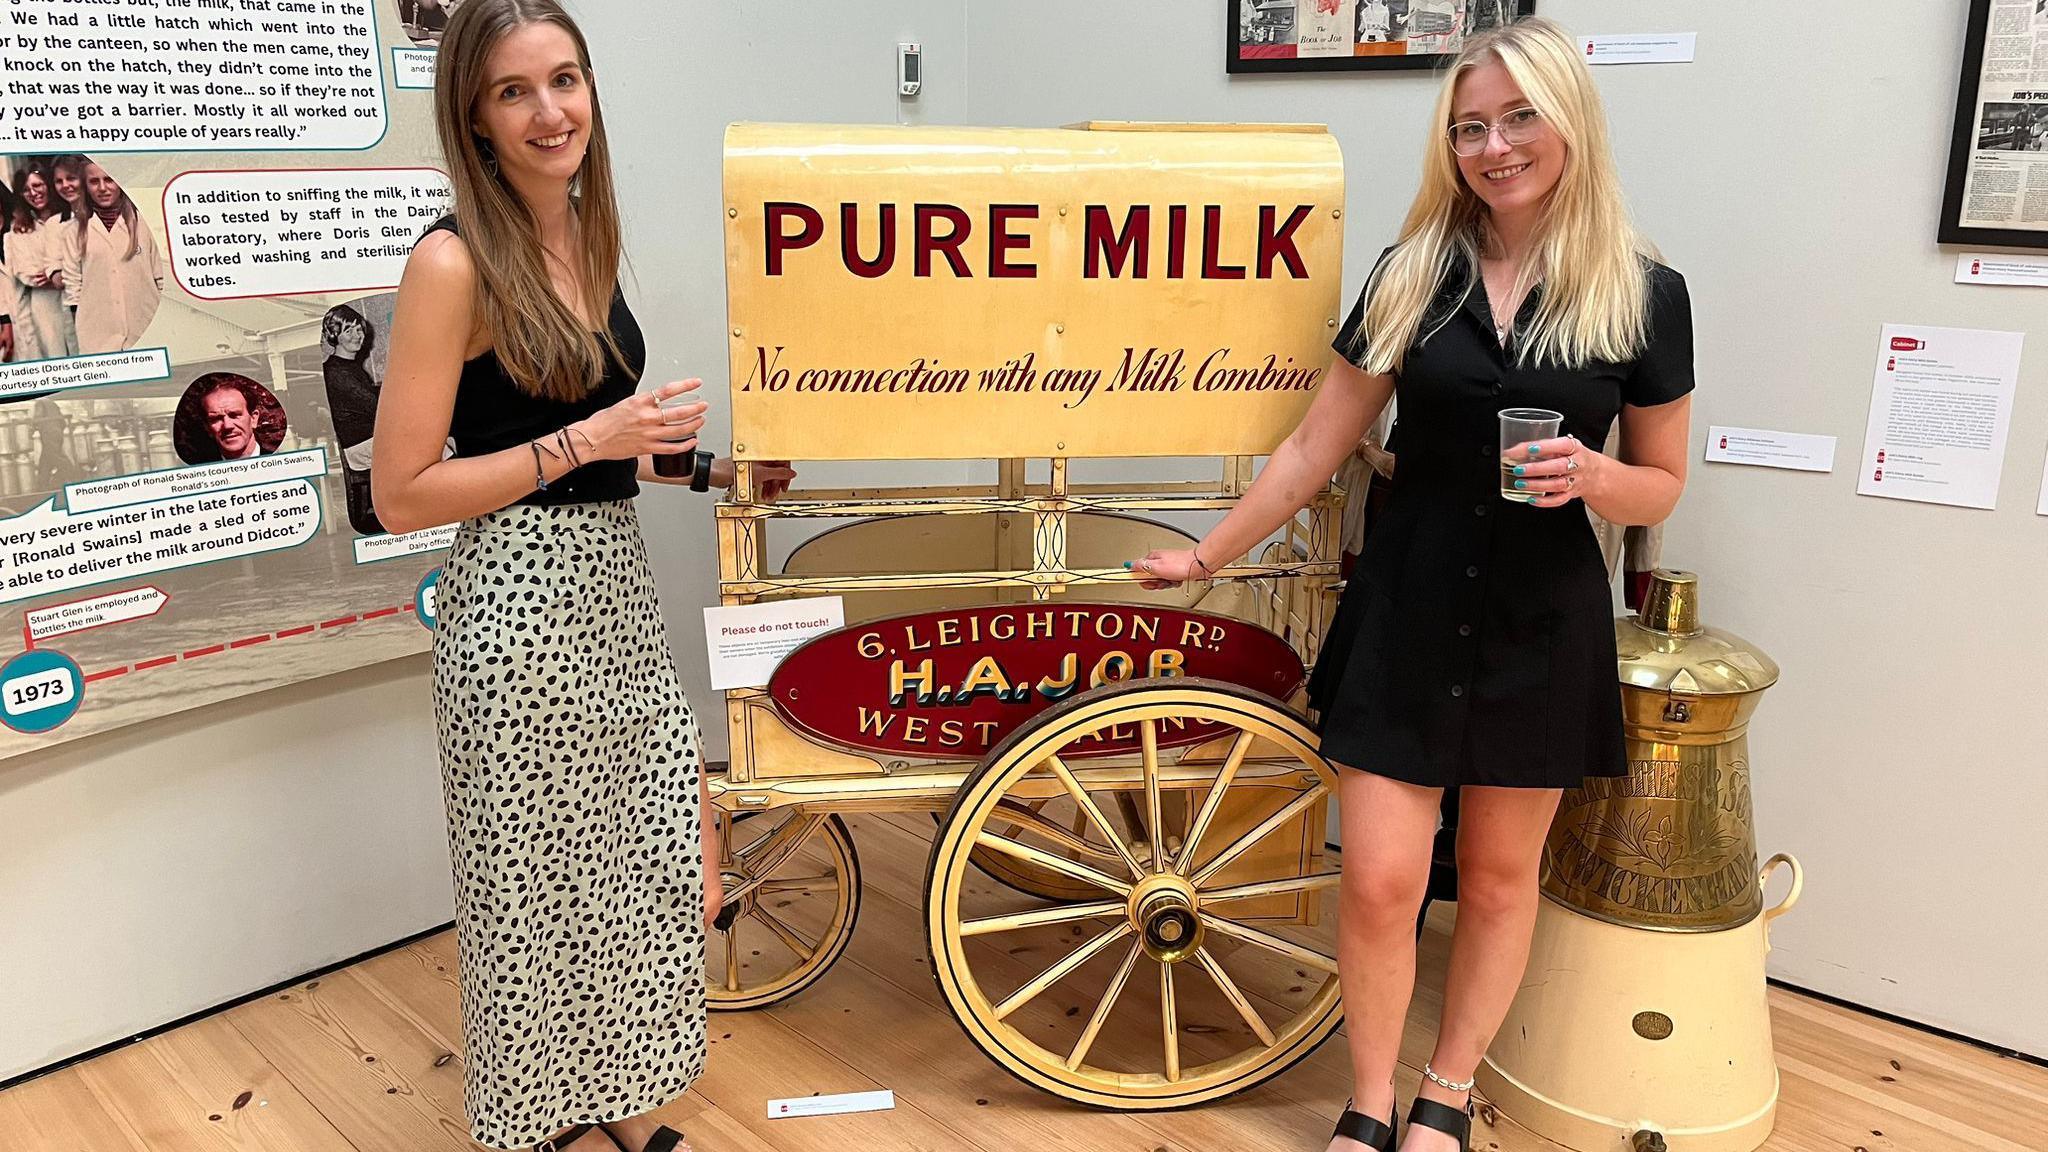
1469 137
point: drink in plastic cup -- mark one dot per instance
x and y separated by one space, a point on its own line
1519 426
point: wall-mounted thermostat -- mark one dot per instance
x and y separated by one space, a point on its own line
909 69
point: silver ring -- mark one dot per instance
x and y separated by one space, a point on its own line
1571 481
1571 463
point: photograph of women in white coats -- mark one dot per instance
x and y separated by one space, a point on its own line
35 263
113 275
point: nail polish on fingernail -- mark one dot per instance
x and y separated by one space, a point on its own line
1521 483
1519 469
1127 565
1535 451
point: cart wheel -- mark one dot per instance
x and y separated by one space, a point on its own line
1087 846
1060 995
792 893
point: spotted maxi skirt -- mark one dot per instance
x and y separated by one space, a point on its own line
570 765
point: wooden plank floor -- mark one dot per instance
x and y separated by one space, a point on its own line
368 1060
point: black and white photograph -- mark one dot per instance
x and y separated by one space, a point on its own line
352 335
2013 127
1265 24
1376 22
425 20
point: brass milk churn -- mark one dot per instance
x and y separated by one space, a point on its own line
1642 1023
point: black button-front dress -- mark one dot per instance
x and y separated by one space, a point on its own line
1475 640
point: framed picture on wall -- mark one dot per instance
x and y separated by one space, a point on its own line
1356 35
1998 157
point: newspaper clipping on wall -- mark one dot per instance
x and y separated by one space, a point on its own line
1999 178
1295 35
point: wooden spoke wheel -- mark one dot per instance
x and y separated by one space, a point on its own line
1082 843
1190 966
792 893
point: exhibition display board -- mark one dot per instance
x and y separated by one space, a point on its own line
209 203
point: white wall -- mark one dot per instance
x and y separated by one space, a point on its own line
160 869
1792 174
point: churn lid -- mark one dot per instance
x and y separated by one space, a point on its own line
1664 648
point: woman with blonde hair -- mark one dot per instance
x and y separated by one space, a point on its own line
584 852
1474 647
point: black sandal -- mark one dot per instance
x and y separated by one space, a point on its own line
1375 1134
1441 1117
561 1140
665 1139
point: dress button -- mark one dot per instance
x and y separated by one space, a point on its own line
1472 573
1464 629
1457 690
1479 509
1488 450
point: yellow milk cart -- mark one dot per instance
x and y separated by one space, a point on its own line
1125 894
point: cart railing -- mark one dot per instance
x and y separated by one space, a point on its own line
746 576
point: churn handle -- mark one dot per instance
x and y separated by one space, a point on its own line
1798 882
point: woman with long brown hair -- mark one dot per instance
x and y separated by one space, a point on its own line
113 278
583 848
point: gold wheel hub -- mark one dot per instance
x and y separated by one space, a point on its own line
1162 911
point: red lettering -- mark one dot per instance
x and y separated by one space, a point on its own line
1002 241
1176 241
849 241
780 241
928 241
1212 240
1133 244
1280 242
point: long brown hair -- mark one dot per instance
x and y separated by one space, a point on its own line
124 207
78 204
539 341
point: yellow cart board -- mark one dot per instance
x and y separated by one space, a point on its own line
1129 803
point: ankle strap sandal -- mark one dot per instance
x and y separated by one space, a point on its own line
665 1139
1375 1134
1440 1117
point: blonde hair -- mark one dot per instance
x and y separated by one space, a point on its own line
1589 256
538 340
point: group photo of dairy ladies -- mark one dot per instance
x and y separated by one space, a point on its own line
83 271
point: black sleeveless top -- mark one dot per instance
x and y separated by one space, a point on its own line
492 413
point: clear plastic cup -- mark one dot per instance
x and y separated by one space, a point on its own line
1519 426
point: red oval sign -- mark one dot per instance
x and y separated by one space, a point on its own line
951 685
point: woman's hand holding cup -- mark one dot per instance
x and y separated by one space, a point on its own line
655 423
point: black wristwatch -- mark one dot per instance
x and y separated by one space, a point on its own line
700 471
